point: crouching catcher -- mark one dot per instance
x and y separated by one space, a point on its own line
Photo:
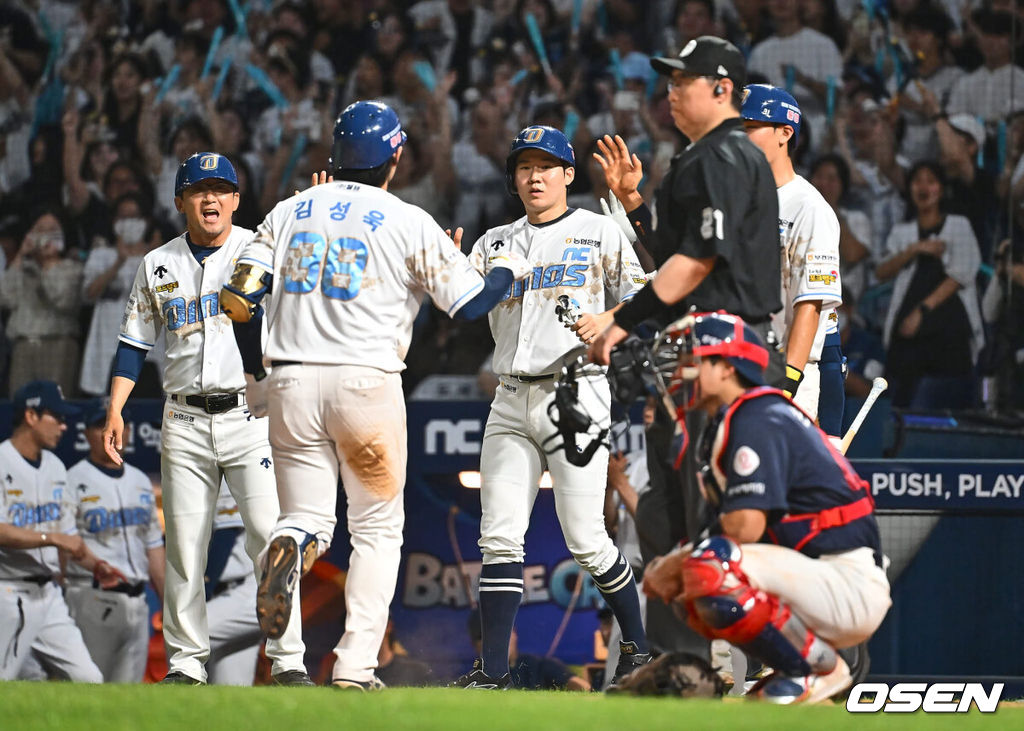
793 569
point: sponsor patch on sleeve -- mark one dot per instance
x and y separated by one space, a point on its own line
821 276
745 461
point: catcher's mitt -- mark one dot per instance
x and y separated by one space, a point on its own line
676 673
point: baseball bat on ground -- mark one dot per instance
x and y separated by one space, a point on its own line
877 386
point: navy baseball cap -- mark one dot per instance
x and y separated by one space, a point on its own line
725 335
42 396
201 166
706 56
94 413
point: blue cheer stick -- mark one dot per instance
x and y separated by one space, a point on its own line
218 36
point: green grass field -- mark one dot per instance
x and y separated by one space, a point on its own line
30 706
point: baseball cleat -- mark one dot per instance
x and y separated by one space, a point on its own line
781 689
374 683
176 677
477 679
280 580
293 678
629 660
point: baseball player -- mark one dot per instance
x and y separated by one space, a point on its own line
585 258
37 530
811 289
795 570
208 433
235 635
350 264
116 516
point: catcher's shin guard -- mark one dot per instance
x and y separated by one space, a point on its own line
721 604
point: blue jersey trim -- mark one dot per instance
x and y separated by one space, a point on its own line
467 295
132 341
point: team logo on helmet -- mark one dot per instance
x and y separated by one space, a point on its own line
208 162
532 134
746 93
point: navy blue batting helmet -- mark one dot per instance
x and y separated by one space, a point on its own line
365 136
201 166
766 103
538 137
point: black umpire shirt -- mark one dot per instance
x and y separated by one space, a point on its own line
719 201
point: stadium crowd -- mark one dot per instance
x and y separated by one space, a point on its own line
912 131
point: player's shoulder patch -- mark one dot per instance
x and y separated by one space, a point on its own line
745 461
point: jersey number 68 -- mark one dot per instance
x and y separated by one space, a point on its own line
343 262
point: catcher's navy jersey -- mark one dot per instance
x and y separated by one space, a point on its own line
769 456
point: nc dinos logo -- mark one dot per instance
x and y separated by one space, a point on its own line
532 134
208 162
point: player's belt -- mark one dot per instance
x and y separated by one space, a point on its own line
281 363
532 379
41 579
214 403
123 588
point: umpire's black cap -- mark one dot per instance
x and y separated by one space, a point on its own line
706 56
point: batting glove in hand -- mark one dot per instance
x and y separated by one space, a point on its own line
256 393
516 263
791 382
613 208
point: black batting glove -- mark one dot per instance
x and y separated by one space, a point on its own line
791 382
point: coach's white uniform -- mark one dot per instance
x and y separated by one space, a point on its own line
33 615
586 257
116 516
235 634
174 293
351 264
809 232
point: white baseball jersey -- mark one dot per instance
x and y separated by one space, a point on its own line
35 498
809 232
582 255
174 293
351 264
116 516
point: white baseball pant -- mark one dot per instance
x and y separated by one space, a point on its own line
512 460
841 597
115 628
196 450
331 419
34 620
235 635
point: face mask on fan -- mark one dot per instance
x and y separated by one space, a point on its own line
130 230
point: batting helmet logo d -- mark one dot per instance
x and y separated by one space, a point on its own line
365 136
202 166
538 137
766 103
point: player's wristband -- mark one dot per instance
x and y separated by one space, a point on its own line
791 382
641 220
644 305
